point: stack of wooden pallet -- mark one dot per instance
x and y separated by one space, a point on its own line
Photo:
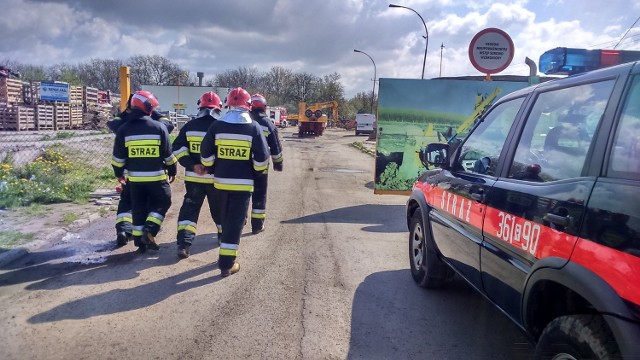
59 115
14 113
45 116
22 109
89 98
75 106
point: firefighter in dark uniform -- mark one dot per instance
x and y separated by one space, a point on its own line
124 227
236 149
259 197
143 148
186 148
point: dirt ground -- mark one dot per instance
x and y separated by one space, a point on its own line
39 221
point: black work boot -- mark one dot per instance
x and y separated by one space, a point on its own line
183 251
149 240
138 243
257 226
122 238
232 270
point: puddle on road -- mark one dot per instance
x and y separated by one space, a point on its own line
84 252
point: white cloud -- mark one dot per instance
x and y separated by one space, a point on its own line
312 36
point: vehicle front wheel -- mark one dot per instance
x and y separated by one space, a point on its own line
426 268
577 337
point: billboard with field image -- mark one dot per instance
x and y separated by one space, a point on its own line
414 113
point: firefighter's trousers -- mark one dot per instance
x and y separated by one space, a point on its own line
123 217
233 210
149 204
190 210
259 201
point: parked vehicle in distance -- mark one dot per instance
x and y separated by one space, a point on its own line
538 209
365 123
278 115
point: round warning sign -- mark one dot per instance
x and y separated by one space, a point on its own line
491 51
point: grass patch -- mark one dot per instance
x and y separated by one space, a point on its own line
10 239
360 146
103 211
58 136
34 210
68 218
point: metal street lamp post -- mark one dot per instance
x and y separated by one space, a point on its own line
373 92
424 61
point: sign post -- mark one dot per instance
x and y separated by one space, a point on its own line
491 51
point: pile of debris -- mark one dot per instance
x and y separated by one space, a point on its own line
96 119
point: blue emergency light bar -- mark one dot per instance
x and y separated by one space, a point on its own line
567 61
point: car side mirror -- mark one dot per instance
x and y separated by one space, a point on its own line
435 154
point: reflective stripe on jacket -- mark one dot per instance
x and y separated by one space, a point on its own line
236 149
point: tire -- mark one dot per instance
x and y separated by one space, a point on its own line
577 337
427 269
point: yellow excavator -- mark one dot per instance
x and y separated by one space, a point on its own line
483 101
311 119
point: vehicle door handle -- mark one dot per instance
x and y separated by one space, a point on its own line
479 196
559 219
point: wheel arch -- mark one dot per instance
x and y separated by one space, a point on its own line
581 291
417 201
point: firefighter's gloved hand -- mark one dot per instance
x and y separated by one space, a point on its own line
277 166
172 178
200 169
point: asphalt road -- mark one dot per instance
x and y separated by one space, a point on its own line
328 279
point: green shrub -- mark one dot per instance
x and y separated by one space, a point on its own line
48 179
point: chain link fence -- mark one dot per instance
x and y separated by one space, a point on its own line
54 166
53 151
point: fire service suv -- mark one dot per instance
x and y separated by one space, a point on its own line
538 209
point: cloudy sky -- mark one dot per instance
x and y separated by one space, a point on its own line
314 36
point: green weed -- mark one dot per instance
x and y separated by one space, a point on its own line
34 210
10 239
68 218
51 178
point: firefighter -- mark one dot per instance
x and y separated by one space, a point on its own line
186 148
235 148
259 197
124 227
142 147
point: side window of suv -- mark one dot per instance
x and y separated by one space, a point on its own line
625 155
480 152
613 211
558 132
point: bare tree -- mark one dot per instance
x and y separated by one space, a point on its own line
276 84
246 78
361 102
103 74
27 72
66 73
304 87
155 70
280 85
330 88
